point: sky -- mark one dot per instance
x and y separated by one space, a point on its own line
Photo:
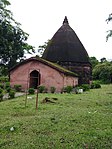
42 18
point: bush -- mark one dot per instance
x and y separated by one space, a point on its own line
8 89
41 89
4 79
17 87
7 85
1 97
1 85
1 90
12 94
31 91
68 89
85 87
53 89
95 85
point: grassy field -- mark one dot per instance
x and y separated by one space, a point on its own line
74 121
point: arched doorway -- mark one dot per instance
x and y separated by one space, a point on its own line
34 79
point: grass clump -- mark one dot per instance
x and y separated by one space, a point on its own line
41 89
85 87
31 90
17 87
95 85
53 89
67 89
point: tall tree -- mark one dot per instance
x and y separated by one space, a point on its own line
42 48
103 71
109 31
93 61
103 60
13 39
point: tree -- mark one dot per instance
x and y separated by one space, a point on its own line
109 31
42 48
13 39
103 60
103 71
93 61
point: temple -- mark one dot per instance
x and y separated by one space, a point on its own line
65 62
66 49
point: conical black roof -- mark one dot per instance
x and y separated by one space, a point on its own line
65 46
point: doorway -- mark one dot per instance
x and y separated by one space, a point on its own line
34 79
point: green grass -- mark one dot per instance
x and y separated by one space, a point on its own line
74 121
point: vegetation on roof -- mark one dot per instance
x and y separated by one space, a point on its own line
58 66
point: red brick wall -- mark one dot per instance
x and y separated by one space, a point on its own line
49 76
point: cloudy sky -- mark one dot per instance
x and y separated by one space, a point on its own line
42 18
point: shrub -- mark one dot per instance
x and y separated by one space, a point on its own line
4 79
7 85
1 97
31 90
1 85
17 87
68 89
41 89
53 89
1 90
8 89
12 94
85 87
95 85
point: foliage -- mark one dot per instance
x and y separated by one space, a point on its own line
12 38
93 61
103 71
109 31
31 90
4 79
103 60
8 89
85 87
3 70
42 48
17 87
1 96
1 85
95 85
74 122
68 89
12 94
53 89
41 88
1 90
7 85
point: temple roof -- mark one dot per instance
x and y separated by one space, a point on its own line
65 46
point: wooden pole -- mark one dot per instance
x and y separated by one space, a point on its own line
26 99
37 100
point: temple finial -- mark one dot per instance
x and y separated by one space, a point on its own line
65 20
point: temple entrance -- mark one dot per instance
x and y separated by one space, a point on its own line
34 79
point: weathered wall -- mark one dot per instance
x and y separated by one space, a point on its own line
48 76
82 69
